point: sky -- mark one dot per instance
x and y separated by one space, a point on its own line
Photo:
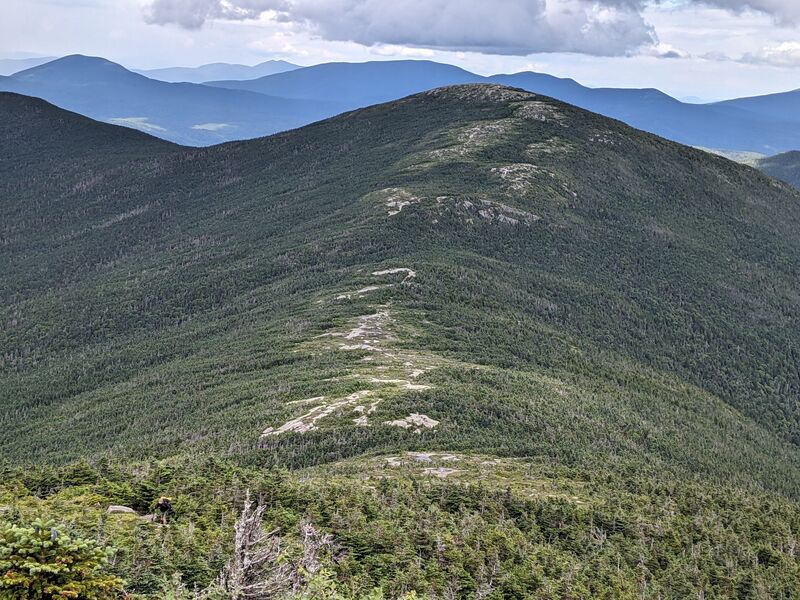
709 49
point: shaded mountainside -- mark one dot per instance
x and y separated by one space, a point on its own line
520 292
184 113
785 167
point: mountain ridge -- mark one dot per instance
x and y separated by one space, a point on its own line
783 103
239 166
218 70
349 82
482 339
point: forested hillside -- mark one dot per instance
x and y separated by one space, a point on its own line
505 348
785 167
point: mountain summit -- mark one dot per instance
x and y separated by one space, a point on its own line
68 69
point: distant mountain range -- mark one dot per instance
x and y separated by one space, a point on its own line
185 113
750 127
785 105
214 71
9 66
357 84
238 108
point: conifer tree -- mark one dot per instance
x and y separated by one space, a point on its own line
40 562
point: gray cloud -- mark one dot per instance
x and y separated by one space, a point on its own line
498 27
512 27
787 11
192 14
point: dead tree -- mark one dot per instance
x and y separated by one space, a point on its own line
315 546
255 571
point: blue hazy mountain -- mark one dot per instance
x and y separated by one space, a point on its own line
185 113
216 71
357 84
722 125
9 66
785 104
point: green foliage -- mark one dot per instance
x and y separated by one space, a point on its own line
42 562
504 528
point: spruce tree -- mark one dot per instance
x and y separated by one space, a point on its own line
40 562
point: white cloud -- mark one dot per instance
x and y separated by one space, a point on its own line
402 51
140 123
786 54
663 50
211 126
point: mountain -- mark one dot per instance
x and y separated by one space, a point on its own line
785 167
216 71
504 347
724 125
9 66
783 106
357 84
181 112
